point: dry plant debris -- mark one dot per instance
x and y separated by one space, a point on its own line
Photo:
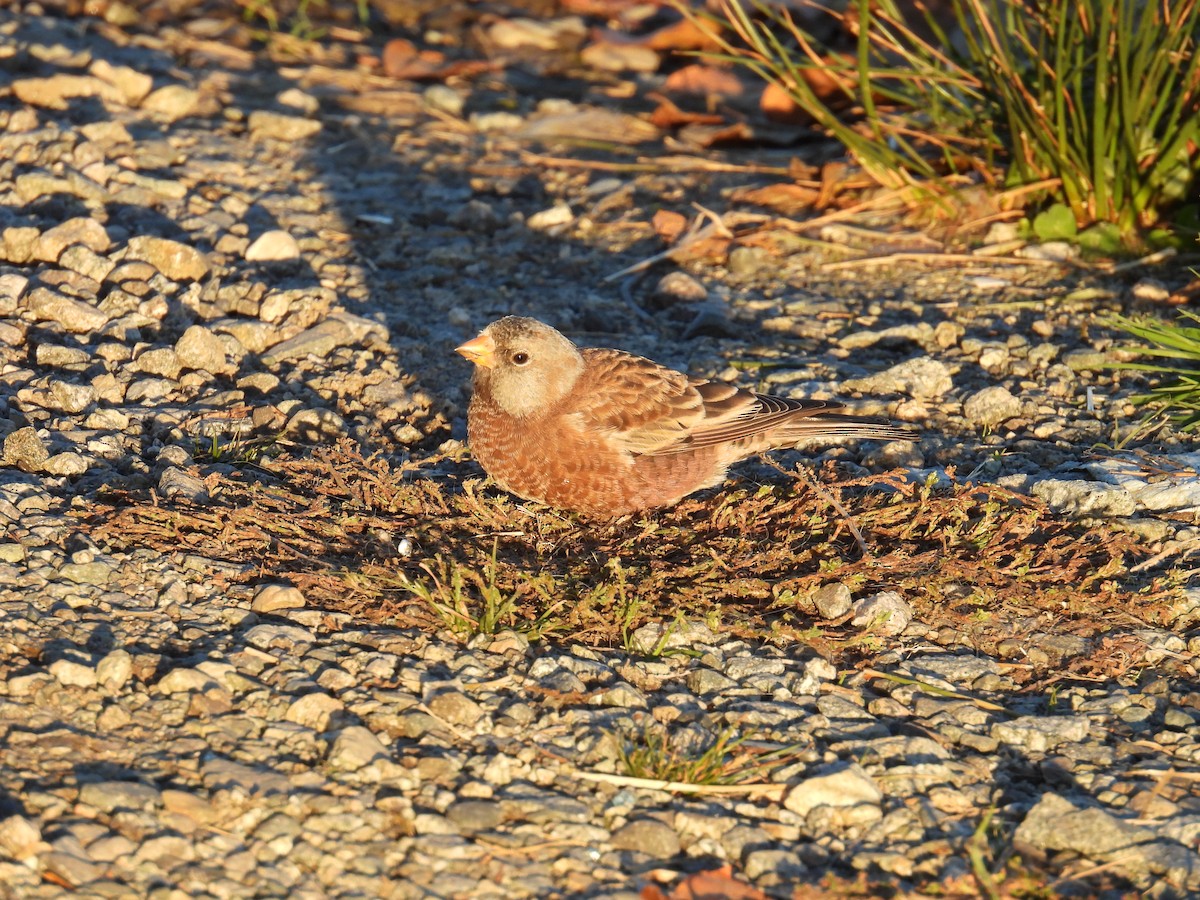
983 567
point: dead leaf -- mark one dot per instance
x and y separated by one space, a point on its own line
778 106
833 181
799 170
830 87
1189 293
714 247
403 59
706 80
686 34
715 884
667 115
669 225
589 124
788 199
708 135
600 9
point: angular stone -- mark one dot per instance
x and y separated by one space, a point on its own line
650 836
110 796
176 261
115 670
1080 498
315 711
134 86
266 124
199 348
96 572
991 406
176 483
320 340
162 361
12 289
18 244
75 316
273 246
70 862
71 398
475 815
833 600
456 708
922 377
20 839
225 774
86 262
25 449
54 92
183 681
849 786
82 230
172 103
272 597
1041 733
73 674
886 611
356 747
1055 823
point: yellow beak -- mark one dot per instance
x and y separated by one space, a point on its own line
480 350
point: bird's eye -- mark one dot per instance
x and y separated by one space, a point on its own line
520 358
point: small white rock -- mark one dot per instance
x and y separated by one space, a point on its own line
273 246
314 711
556 216
886 610
115 670
73 674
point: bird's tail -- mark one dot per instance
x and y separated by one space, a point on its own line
832 425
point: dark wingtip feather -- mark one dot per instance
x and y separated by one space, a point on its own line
824 426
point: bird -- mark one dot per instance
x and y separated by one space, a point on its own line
605 433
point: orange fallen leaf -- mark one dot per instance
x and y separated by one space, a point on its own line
600 9
1187 294
778 106
734 133
789 199
799 170
829 86
715 884
833 181
402 59
668 115
714 247
57 880
669 225
682 35
706 80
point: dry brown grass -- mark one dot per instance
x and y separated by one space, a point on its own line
982 567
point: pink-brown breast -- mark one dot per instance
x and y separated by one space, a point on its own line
555 461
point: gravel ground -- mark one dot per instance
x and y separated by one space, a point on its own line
192 241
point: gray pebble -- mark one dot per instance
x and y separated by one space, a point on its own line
649 836
832 600
991 406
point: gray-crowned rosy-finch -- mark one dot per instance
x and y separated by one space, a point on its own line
606 433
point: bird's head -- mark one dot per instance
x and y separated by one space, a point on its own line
523 364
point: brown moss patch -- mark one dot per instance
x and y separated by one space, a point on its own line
983 568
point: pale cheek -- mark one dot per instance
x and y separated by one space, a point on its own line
520 392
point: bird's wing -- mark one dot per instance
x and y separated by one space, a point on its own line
650 409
